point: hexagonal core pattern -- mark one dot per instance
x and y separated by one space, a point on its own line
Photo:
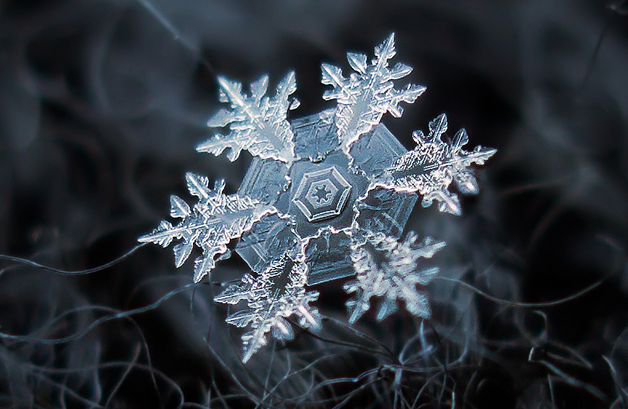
322 194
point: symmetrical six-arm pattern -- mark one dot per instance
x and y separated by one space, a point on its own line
327 196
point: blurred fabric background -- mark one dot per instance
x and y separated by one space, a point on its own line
103 102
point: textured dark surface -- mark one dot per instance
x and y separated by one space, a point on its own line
103 102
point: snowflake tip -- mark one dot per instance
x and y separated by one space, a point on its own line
386 50
159 236
461 139
198 185
332 75
217 145
240 319
287 86
467 185
259 88
222 118
182 252
356 308
252 342
401 70
310 318
230 91
386 308
420 306
482 154
204 265
447 202
358 62
439 125
178 208
282 330
427 275
236 293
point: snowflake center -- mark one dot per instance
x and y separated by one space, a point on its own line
321 194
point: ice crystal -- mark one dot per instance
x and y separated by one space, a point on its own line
212 223
369 93
388 268
431 167
276 294
326 197
258 123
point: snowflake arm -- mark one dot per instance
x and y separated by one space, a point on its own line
369 93
390 269
212 223
258 123
433 165
276 294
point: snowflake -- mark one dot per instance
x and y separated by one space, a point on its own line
325 197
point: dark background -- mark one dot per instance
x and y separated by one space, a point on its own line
103 102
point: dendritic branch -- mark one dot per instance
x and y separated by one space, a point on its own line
433 165
258 123
276 294
390 269
211 224
369 93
